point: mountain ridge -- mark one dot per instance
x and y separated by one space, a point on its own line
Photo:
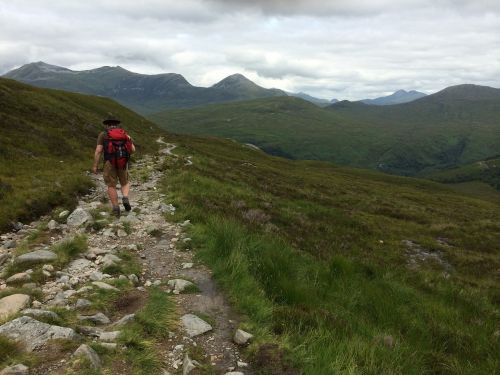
144 93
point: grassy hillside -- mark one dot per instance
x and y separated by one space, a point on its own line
456 126
348 271
47 139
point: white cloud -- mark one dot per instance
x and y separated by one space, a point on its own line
344 49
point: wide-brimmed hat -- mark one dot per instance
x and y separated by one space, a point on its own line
111 120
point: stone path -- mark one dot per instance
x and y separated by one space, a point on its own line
206 320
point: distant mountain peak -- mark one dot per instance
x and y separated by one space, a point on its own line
398 97
233 80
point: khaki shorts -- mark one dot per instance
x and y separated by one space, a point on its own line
112 175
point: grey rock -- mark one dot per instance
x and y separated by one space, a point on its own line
29 286
38 256
234 373
110 232
187 265
105 286
126 319
194 325
38 313
188 365
10 244
110 260
13 304
121 233
134 279
109 336
78 217
96 276
88 353
21 277
18 369
48 267
53 225
82 303
98 318
34 334
179 285
89 331
79 265
241 337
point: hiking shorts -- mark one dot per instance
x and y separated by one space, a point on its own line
112 175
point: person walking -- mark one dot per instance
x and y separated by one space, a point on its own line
117 147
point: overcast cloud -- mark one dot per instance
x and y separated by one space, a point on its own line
345 49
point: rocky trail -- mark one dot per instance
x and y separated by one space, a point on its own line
45 278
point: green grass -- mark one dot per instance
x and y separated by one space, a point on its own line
69 249
152 324
47 139
440 131
312 255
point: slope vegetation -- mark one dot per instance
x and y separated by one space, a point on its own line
141 92
456 126
47 138
349 271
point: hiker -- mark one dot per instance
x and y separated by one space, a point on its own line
117 147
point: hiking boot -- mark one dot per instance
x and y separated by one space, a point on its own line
116 211
126 204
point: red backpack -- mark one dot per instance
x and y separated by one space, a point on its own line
117 147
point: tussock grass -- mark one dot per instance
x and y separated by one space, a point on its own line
312 255
69 249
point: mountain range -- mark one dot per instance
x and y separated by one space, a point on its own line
456 126
147 94
143 93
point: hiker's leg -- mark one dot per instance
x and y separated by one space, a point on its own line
125 189
113 195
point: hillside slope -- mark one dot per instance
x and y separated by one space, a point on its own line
398 97
350 271
47 138
141 92
456 126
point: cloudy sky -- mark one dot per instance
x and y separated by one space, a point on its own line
347 49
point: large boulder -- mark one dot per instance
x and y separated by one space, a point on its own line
38 256
78 217
34 334
195 326
13 304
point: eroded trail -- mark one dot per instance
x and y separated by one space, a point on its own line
205 323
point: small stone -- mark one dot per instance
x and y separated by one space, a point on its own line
38 256
241 364
187 265
194 326
389 341
241 337
88 353
19 369
126 319
105 286
188 365
98 318
53 225
109 336
133 278
121 233
110 260
157 283
37 313
63 214
13 304
132 247
179 285
147 283
48 267
82 303
19 278
10 244
89 331
234 373
78 217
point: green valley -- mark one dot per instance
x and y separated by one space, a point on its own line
453 127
